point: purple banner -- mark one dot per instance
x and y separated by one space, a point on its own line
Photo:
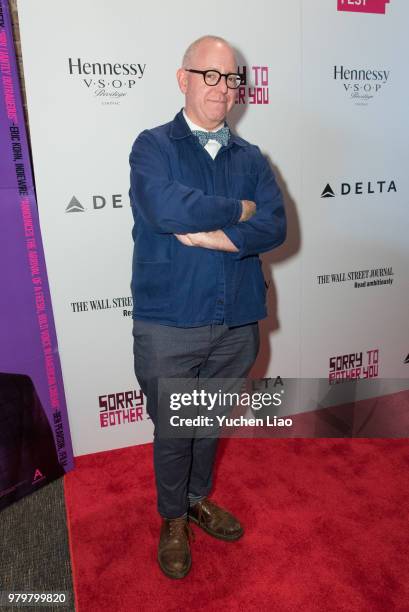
35 443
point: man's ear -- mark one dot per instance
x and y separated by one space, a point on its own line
182 80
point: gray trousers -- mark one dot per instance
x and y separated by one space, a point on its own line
185 465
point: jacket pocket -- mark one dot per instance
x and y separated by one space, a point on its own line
151 281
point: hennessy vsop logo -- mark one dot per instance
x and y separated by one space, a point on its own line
361 84
106 80
363 6
106 68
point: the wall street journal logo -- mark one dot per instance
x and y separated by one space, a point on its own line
359 279
371 187
95 202
109 82
361 84
363 6
123 304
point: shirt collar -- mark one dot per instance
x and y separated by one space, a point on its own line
194 126
180 129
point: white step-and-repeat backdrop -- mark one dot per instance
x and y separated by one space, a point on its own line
325 98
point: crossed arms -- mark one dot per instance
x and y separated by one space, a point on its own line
238 226
218 240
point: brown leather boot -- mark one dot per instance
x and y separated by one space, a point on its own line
215 520
174 551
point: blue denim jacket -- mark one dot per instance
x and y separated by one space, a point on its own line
176 187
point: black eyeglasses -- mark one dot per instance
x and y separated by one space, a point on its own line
212 77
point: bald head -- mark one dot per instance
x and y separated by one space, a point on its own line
207 105
203 42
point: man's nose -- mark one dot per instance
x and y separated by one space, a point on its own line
222 84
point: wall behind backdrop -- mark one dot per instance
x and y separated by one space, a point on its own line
325 98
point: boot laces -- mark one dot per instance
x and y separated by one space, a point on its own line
179 527
207 505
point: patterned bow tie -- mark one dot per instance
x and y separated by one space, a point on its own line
221 136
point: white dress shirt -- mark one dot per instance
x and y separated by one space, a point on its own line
212 146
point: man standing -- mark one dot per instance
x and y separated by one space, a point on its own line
205 204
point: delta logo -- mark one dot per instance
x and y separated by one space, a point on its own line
363 6
360 188
97 202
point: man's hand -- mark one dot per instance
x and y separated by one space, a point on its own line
249 209
217 241
185 239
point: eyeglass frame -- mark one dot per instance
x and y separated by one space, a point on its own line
203 73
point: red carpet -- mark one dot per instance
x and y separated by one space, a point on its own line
326 529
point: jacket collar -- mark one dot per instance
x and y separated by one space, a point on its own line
180 129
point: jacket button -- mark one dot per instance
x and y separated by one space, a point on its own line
220 302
